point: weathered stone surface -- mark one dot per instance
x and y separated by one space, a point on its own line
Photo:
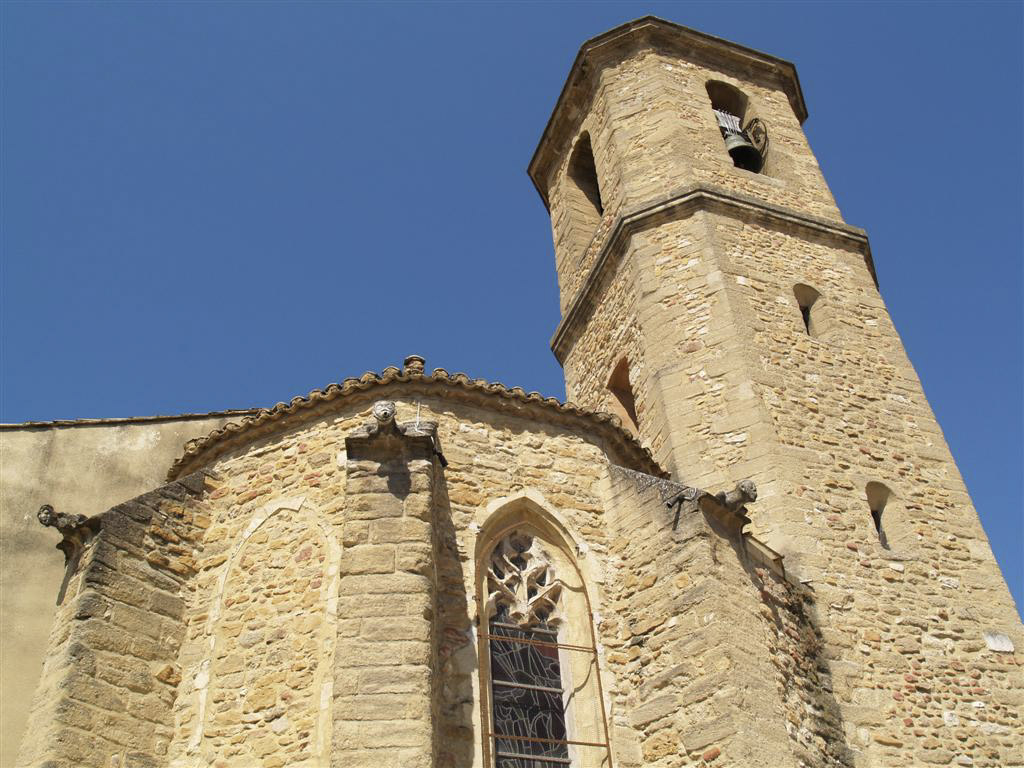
323 597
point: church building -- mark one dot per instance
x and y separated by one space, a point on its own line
740 541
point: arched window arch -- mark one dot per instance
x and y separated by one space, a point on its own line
623 402
582 196
730 106
878 496
583 175
542 704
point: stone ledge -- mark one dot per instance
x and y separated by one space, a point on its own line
680 204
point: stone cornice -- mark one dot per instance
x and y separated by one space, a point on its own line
393 383
680 204
650 30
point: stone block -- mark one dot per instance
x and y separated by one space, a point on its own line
396 530
369 559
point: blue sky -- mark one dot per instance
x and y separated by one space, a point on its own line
223 205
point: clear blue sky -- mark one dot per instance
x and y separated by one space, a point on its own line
223 205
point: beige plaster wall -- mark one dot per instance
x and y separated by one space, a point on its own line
81 468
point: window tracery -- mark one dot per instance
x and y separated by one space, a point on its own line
528 704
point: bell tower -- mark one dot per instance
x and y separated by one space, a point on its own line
669 155
713 298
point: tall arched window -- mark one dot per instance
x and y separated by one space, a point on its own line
623 402
583 205
542 701
583 175
528 702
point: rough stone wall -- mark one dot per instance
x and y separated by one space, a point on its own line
111 660
257 660
614 334
736 388
400 610
714 653
385 702
78 468
489 460
812 716
742 391
907 621
666 309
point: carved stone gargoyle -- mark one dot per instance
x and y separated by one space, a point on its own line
728 506
74 531
736 500
68 526
732 505
383 420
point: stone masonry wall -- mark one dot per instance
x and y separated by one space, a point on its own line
403 587
922 684
111 663
263 612
489 460
715 655
653 132
742 391
665 307
82 467
384 705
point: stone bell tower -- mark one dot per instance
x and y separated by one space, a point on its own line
713 297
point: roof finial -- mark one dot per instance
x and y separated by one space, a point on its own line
414 364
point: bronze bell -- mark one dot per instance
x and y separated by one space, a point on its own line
743 153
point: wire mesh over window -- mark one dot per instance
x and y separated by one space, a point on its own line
531 721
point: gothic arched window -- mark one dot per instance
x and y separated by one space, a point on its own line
532 675
528 707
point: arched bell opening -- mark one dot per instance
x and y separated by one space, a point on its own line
730 106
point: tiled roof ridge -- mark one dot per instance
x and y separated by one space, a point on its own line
116 420
203 450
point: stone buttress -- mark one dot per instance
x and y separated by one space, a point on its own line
384 682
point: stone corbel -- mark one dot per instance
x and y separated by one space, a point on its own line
385 434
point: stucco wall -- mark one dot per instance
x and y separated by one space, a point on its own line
82 468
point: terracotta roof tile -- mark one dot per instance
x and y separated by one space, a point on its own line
205 450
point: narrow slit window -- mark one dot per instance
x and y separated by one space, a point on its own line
806 298
623 401
878 495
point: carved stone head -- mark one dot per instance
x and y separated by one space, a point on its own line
384 412
47 516
747 490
